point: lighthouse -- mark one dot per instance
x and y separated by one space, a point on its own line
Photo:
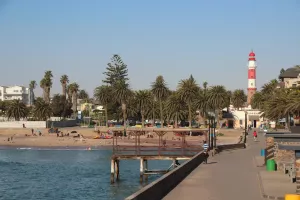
251 77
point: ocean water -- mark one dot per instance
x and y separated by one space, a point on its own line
67 175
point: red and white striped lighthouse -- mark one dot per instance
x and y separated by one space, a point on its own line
251 76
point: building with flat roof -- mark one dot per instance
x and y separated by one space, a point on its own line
14 92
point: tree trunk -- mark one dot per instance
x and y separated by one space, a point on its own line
143 118
48 95
124 113
161 113
106 116
74 102
64 90
176 120
190 115
153 114
44 94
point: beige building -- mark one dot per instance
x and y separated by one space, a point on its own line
290 78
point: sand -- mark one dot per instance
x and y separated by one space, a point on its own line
51 140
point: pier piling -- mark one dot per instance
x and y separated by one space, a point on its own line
117 165
112 171
145 169
142 169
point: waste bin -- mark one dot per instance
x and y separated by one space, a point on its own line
271 165
262 152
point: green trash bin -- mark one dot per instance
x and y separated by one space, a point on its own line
271 165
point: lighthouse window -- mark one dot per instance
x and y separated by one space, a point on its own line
251 76
251 84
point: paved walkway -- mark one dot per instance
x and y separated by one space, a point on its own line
230 175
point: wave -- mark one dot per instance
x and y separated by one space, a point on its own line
11 163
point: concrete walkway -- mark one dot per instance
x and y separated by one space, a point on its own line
230 175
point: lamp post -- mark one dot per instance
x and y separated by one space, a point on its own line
246 124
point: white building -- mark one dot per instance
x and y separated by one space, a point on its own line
14 92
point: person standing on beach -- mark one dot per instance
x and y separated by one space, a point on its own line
206 149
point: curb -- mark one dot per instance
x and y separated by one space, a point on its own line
263 193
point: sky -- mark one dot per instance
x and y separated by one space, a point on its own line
209 39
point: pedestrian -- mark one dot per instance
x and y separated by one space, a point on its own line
255 135
206 149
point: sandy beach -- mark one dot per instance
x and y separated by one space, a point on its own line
51 140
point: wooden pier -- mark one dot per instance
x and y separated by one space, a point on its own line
158 150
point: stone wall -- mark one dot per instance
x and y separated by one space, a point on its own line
19 124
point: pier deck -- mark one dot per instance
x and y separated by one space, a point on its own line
231 175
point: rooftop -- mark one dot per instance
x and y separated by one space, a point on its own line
292 72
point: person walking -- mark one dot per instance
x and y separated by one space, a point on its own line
255 135
206 149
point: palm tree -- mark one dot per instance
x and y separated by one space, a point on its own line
238 98
160 91
103 95
42 110
175 107
64 80
201 103
74 87
218 99
143 99
17 110
122 94
32 86
69 92
270 87
46 84
257 101
188 90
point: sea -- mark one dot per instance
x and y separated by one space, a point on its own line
67 174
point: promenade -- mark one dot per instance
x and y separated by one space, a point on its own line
230 175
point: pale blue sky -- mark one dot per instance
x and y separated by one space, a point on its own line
173 38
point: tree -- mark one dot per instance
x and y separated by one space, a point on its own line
257 101
116 71
160 91
46 84
64 80
281 72
175 107
74 87
218 99
201 103
122 94
42 110
60 106
103 95
17 110
238 98
32 86
3 107
143 101
82 94
188 90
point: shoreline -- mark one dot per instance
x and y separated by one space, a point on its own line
32 147
52 142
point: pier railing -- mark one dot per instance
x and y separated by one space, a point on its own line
158 146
